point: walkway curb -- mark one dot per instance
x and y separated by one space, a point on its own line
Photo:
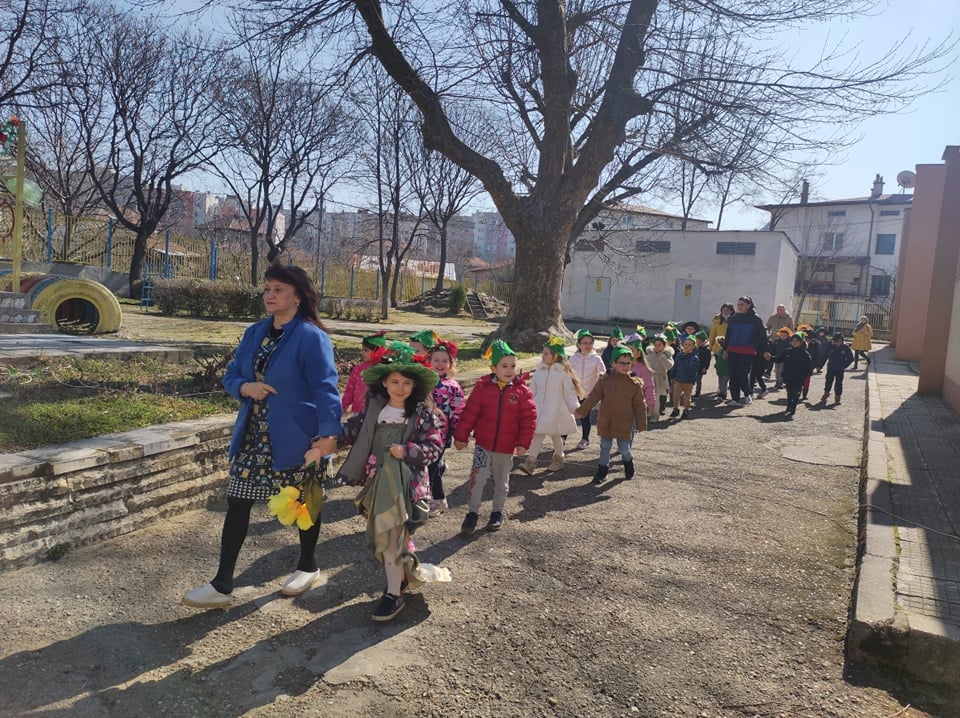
882 636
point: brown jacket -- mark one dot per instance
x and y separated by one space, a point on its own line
621 405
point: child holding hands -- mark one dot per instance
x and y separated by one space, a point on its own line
557 394
622 409
501 415
394 439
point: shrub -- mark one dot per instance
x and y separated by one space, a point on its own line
204 298
458 298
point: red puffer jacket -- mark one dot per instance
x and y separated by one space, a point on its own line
501 420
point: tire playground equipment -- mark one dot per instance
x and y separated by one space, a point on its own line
76 306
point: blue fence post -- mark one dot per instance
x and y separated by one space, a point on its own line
323 279
214 259
352 273
50 234
110 243
166 254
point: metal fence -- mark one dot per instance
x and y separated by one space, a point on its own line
101 242
843 314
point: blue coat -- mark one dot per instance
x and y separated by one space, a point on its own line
302 370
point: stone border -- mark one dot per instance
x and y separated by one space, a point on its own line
55 498
882 637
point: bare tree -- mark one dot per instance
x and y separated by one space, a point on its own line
146 114
285 141
391 140
582 96
56 157
28 29
444 189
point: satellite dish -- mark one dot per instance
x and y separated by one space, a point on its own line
907 179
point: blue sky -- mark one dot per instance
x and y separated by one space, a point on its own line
890 143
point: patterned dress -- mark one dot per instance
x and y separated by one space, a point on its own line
252 475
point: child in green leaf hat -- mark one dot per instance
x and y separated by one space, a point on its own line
424 340
501 416
616 336
394 440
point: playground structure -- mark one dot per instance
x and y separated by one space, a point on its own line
79 306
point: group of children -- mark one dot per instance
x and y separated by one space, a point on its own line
407 406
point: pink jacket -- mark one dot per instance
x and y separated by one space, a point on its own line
355 393
642 372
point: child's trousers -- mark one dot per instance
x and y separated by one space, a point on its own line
834 376
486 463
537 442
624 446
682 391
722 381
793 396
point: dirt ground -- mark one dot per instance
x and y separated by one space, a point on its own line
714 583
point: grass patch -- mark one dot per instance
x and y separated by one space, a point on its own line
53 401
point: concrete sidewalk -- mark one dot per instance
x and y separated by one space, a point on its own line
907 612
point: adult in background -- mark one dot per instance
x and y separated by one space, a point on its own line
284 375
746 338
780 318
719 326
862 342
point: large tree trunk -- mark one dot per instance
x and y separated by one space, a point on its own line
535 300
137 261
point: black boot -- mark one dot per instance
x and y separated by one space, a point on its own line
601 474
628 469
663 405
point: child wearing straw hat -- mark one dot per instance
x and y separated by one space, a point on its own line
394 440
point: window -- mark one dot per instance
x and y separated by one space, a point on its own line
889 212
837 213
885 243
832 241
652 247
736 247
880 285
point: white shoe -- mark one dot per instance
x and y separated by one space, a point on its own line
747 400
583 443
300 582
437 507
206 597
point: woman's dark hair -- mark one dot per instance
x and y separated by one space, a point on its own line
418 395
727 305
749 301
297 278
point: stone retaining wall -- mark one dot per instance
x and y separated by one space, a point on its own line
58 497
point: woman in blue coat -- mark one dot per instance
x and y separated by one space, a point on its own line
746 338
284 375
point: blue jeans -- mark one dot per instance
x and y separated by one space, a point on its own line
624 446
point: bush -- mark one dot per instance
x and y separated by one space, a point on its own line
204 298
458 298
361 310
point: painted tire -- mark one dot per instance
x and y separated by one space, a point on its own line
77 306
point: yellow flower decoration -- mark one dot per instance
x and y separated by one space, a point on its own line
554 341
288 508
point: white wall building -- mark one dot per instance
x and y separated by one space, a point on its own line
851 245
656 276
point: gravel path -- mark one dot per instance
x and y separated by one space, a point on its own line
715 583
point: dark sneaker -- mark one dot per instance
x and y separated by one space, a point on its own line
496 521
469 524
388 607
675 413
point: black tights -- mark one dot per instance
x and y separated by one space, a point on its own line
235 526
